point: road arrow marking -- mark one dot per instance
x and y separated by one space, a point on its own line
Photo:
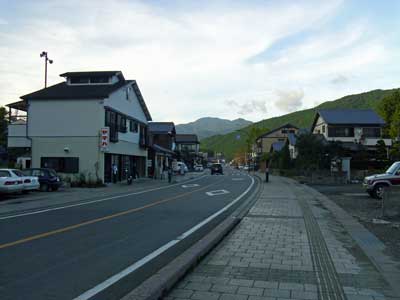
217 192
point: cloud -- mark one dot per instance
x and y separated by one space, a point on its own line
339 79
289 100
248 107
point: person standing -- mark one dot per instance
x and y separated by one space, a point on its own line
114 172
266 173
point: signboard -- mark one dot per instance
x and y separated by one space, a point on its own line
104 138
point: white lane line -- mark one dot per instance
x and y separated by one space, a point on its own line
185 186
93 201
217 192
113 279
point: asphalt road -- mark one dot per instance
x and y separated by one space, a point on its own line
60 254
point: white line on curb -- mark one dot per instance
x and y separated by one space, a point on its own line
113 279
93 201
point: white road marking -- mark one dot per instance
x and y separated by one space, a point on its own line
217 192
190 185
113 279
93 201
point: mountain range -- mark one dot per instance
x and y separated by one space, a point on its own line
229 144
206 127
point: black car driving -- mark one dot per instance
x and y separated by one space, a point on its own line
216 169
48 178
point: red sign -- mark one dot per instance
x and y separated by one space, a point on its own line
104 138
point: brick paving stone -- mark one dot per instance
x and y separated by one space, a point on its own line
205 296
241 282
266 284
196 286
277 293
224 288
233 297
250 291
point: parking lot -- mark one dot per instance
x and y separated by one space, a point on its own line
354 199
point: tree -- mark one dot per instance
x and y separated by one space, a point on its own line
3 126
284 157
389 108
381 150
310 151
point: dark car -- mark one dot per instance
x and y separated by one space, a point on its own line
216 169
48 178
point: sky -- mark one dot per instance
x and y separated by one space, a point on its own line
192 59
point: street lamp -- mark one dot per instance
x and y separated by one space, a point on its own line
46 59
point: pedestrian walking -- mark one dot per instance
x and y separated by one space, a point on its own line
114 172
169 174
182 169
266 173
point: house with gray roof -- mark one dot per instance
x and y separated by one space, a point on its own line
91 123
350 126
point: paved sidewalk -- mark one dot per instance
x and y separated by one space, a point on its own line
65 196
289 246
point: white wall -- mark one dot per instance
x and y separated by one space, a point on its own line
78 118
131 107
17 136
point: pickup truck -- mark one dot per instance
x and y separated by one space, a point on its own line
375 185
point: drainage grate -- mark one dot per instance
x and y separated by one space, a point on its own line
329 287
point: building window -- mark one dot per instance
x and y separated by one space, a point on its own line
79 80
323 128
61 164
340 131
111 121
371 132
133 126
99 79
284 130
121 121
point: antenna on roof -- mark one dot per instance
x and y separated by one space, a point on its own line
46 59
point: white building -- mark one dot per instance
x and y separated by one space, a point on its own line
350 126
64 121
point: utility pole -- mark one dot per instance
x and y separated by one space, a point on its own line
46 59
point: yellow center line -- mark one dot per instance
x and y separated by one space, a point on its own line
68 228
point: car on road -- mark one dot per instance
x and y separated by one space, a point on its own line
246 168
375 185
10 183
216 169
177 167
48 178
30 183
198 168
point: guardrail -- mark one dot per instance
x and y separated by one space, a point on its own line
391 201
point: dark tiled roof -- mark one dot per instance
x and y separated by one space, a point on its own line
161 127
90 73
186 138
287 125
63 91
351 116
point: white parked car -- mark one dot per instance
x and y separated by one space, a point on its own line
198 168
177 167
10 183
30 183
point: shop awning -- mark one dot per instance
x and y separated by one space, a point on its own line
162 150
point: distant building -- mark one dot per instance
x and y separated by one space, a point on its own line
161 147
87 124
351 127
280 134
187 148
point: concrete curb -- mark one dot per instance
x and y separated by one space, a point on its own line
160 283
